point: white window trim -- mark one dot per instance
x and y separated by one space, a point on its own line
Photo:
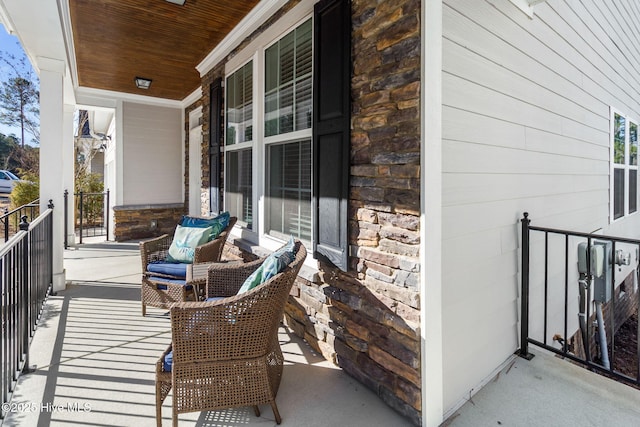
255 51
626 166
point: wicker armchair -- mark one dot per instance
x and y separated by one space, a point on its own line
226 353
162 290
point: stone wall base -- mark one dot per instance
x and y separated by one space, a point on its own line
144 221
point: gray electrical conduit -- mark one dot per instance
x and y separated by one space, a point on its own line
582 316
602 334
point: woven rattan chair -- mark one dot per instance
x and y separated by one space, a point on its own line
162 290
226 353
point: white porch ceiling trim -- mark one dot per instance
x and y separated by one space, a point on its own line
109 98
67 34
248 25
5 19
192 97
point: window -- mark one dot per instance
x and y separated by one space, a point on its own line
289 190
288 82
284 139
287 128
286 148
624 166
238 145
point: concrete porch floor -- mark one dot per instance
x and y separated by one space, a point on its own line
93 350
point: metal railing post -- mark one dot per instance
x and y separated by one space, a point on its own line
66 219
26 295
524 297
6 224
106 213
81 214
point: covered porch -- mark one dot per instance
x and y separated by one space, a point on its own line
95 356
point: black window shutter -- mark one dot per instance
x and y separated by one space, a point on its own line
215 137
331 124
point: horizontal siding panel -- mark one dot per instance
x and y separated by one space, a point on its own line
547 69
463 157
466 95
464 369
487 270
551 30
462 125
467 219
468 65
150 131
466 189
610 45
501 33
545 142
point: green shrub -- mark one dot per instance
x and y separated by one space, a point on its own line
25 191
93 209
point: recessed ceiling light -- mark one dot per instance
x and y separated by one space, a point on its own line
142 83
180 2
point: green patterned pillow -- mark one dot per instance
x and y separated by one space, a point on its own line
274 264
185 241
217 224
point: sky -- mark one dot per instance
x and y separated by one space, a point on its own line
9 45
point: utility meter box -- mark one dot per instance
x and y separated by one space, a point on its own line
600 259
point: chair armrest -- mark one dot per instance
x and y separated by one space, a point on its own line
154 250
160 362
209 252
225 279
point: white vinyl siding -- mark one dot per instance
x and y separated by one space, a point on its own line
526 127
152 132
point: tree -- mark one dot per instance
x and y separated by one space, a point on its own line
20 99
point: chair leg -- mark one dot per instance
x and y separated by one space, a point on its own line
158 402
144 310
275 412
256 411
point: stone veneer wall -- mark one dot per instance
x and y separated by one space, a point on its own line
137 221
366 320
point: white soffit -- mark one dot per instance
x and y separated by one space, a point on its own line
37 25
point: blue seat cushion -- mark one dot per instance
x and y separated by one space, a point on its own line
159 280
176 269
168 361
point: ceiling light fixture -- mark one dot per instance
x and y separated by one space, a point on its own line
180 2
142 83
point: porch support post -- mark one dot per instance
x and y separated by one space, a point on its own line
68 159
52 124
432 351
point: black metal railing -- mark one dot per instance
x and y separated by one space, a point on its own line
26 274
90 213
10 220
552 272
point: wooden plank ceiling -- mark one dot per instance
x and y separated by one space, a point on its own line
117 40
